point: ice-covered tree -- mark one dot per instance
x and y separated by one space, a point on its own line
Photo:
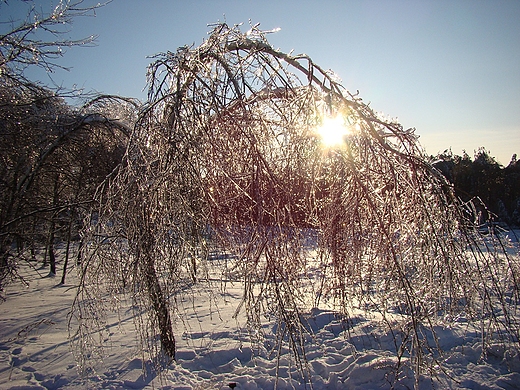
230 156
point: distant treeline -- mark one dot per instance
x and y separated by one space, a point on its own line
483 178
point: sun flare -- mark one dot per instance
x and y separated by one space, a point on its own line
332 131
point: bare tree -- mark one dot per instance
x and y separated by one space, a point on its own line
227 156
38 40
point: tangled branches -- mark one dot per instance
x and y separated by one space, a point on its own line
227 157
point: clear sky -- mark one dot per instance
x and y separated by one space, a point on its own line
449 68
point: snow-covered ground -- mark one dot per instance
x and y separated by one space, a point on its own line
214 350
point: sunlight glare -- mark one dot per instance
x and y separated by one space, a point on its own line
333 131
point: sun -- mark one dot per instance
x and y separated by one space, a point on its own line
332 131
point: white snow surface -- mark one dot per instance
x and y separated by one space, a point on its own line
214 350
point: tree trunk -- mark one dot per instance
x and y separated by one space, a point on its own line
160 309
80 252
50 249
4 264
55 197
67 249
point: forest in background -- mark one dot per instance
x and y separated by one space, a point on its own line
496 187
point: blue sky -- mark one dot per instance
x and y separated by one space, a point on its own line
449 68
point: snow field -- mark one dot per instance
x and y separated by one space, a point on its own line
215 349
